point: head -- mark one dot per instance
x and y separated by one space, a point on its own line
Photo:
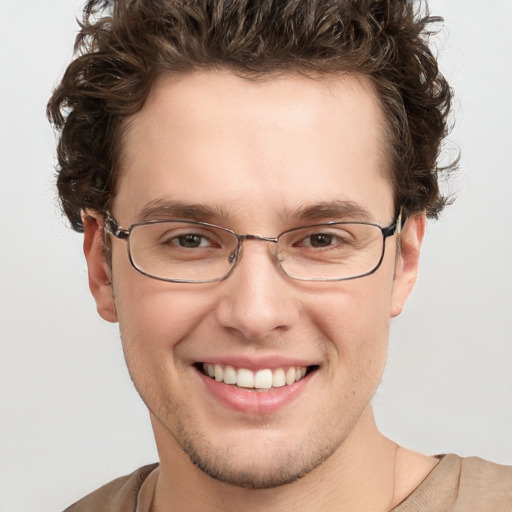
122 53
261 116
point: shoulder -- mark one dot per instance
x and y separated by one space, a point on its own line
485 483
120 495
459 484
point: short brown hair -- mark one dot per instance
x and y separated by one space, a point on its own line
124 45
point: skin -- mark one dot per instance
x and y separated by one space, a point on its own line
255 153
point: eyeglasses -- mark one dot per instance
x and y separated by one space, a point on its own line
183 251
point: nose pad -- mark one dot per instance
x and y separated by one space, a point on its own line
233 256
236 255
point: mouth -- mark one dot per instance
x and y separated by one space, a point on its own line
262 380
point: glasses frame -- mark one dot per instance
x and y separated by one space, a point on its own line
112 227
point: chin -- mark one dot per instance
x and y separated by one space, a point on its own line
255 459
264 473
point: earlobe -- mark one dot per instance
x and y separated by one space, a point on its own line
98 269
406 269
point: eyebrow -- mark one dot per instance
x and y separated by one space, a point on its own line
337 210
161 209
171 209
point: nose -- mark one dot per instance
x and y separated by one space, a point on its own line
258 299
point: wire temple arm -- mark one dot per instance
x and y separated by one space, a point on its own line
113 228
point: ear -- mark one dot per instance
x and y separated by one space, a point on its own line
99 272
406 266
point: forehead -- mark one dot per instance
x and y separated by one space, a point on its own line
283 142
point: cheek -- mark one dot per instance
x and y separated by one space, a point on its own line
154 319
160 318
355 318
154 313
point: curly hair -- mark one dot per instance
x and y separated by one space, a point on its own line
125 45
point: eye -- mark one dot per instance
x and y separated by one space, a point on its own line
336 239
190 241
319 240
174 237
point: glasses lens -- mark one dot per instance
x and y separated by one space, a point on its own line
331 252
182 251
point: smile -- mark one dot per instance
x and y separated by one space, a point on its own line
260 380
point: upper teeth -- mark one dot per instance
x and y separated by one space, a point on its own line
261 379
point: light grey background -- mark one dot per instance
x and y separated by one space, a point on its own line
69 417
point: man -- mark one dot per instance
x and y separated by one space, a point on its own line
252 180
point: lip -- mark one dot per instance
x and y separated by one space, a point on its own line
254 402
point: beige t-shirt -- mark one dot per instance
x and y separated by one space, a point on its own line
455 485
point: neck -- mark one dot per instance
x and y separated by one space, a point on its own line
359 475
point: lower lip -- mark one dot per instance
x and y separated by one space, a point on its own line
254 402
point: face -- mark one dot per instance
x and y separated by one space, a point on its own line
260 157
